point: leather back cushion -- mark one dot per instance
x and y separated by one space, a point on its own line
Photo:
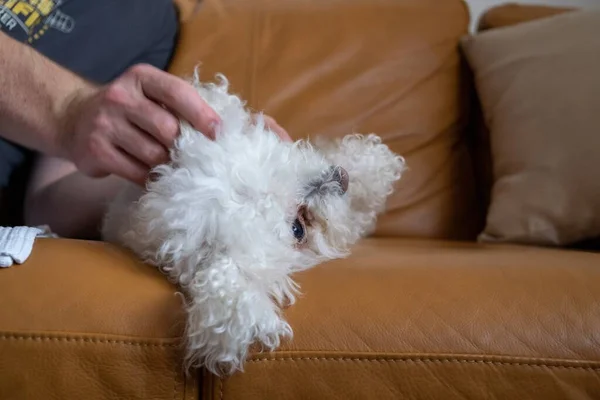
501 16
335 67
537 82
513 14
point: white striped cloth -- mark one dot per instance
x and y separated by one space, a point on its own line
16 243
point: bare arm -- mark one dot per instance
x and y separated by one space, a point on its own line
34 96
123 128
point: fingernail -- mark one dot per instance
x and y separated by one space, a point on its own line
215 128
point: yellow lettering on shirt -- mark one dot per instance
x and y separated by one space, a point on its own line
23 8
10 4
33 19
45 6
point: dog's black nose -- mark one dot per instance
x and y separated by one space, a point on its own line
341 176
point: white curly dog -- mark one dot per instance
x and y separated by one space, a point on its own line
230 220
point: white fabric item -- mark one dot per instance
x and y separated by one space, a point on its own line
16 243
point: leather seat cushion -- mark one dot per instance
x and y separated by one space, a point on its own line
84 319
428 319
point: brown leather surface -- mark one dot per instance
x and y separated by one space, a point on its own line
436 320
84 320
336 67
187 8
399 319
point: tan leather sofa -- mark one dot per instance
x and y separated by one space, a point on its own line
419 311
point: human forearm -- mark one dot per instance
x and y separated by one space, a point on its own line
124 127
34 96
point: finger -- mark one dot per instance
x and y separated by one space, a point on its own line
127 167
277 129
180 97
141 146
156 121
111 160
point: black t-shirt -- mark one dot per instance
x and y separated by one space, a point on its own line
98 40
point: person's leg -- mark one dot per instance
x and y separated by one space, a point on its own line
70 203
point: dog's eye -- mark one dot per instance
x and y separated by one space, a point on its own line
298 230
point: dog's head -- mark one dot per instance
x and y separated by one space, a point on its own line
268 204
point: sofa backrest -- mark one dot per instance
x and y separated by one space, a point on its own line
334 67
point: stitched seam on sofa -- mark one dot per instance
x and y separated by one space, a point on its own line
175 382
532 364
188 386
422 360
306 354
40 338
221 384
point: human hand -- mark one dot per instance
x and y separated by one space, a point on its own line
126 128
275 127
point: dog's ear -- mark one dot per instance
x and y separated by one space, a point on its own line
372 169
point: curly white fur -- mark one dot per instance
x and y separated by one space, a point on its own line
230 220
